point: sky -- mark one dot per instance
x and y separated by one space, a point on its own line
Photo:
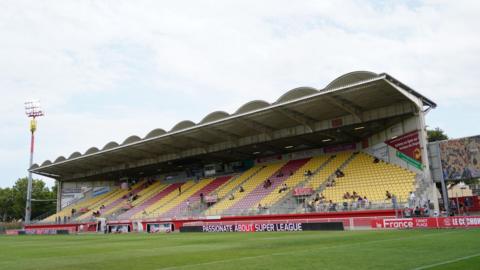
104 70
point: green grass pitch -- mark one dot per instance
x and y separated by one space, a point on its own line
353 250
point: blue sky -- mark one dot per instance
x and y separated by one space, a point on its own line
105 70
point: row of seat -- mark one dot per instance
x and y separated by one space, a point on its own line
361 174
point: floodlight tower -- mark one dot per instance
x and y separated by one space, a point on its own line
33 110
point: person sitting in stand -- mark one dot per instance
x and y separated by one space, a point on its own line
241 189
331 206
309 173
283 188
407 212
376 160
388 195
346 196
231 197
267 183
417 211
355 195
339 173
291 173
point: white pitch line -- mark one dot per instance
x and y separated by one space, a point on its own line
299 251
447 262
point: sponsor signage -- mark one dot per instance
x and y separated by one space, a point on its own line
408 148
263 227
302 191
159 227
211 198
440 222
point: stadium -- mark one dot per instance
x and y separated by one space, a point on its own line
352 156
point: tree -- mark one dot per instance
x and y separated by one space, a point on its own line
13 200
6 201
436 135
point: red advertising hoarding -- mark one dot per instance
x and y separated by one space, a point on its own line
408 148
431 223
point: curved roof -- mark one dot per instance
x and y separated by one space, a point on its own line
251 106
293 96
75 155
91 150
154 133
110 145
297 93
46 162
60 158
131 139
35 165
182 125
217 115
350 78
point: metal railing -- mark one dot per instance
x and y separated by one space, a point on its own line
295 209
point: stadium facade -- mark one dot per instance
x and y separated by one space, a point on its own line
363 133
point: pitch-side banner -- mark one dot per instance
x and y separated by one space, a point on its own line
440 222
265 227
408 148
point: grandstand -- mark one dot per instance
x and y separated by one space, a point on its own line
364 133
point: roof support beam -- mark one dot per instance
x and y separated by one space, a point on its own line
148 153
257 126
300 118
168 146
227 136
347 106
201 144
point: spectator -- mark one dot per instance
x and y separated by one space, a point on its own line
267 183
417 212
231 197
412 199
179 190
388 195
366 203
453 206
394 202
241 189
283 188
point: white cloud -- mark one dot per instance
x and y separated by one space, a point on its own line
108 69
